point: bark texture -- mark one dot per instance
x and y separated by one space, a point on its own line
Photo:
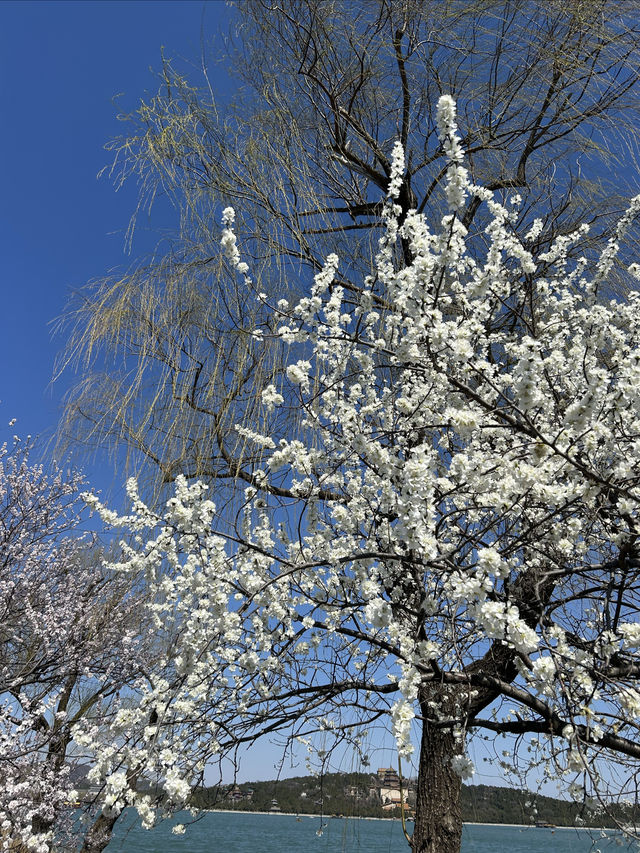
438 820
99 835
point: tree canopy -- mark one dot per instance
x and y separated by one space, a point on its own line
72 637
449 538
547 100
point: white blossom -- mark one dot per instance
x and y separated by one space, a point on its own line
459 480
463 766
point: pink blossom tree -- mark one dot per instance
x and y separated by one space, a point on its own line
443 532
69 641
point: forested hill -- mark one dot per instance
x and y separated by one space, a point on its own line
359 795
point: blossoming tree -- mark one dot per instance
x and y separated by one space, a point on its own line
450 537
69 640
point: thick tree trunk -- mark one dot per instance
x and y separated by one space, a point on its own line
99 835
438 820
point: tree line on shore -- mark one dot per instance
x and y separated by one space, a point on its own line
349 795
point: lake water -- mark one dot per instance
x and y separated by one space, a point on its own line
221 832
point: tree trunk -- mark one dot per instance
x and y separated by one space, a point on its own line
99 835
438 819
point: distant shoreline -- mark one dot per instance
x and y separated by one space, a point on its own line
301 815
397 819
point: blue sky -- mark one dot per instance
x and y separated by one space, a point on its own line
61 65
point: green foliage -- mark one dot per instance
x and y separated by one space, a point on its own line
350 795
490 804
331 794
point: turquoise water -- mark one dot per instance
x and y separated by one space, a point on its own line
221 832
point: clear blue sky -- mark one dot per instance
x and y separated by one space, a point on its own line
61 65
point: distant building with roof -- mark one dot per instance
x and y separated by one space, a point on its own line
392 793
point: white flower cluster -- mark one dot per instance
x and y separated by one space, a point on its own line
463 766
458 469
402 716
457 184
397 171
298 374
228 241
271 397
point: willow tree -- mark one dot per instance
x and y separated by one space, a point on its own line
547 101
449 539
